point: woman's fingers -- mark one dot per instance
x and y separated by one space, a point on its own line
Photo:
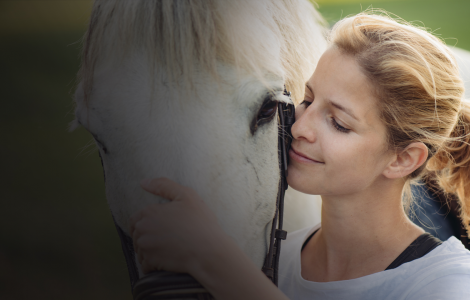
164 235
164 188
133 221
149 266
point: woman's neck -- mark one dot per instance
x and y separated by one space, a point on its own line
360 235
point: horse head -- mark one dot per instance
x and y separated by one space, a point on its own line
186 90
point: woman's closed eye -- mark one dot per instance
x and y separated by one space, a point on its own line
335 124
339 127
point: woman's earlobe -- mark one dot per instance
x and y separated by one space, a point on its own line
407 161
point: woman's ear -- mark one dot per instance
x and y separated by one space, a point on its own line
407 161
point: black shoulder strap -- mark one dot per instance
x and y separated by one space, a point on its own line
307 240
424 244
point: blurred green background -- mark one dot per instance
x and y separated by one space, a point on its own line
57 237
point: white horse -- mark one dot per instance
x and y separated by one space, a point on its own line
184 90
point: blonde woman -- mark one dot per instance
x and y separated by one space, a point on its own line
384 107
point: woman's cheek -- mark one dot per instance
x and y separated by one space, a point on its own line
303 180
295 178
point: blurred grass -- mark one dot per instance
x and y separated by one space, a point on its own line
43 16
56 230
57 236
448 19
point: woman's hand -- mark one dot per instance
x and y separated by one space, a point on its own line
176 236
184 236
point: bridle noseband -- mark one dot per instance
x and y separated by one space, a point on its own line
167 285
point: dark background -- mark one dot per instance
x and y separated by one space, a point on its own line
57 237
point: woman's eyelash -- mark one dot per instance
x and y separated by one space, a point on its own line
339 127
333 121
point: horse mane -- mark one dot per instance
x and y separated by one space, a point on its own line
176 34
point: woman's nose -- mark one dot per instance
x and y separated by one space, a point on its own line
303 127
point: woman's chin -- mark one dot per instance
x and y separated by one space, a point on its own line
296 181
302 182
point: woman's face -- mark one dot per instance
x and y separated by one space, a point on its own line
339 144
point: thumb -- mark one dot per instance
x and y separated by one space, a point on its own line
163 187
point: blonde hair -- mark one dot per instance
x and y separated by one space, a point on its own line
420 94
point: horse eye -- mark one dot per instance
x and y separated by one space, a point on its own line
267 110
265 114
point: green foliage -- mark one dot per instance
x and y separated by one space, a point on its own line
58 236
447 19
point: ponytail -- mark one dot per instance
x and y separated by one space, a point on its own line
452 164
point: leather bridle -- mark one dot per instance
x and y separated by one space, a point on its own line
167 285
286 114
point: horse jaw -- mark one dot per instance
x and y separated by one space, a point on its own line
203 142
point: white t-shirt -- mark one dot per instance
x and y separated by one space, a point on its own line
443 273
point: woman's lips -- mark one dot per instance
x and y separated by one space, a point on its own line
298 156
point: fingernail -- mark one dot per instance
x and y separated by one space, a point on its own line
145 183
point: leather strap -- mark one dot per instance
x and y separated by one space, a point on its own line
286 114
167 285
129 254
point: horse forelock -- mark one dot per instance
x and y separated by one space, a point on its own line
258 37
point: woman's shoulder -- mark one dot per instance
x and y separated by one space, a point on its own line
444 273
450 252
451 257
453 244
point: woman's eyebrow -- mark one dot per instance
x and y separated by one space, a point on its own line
338 106
346 110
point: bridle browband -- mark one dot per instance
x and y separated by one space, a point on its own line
167 285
